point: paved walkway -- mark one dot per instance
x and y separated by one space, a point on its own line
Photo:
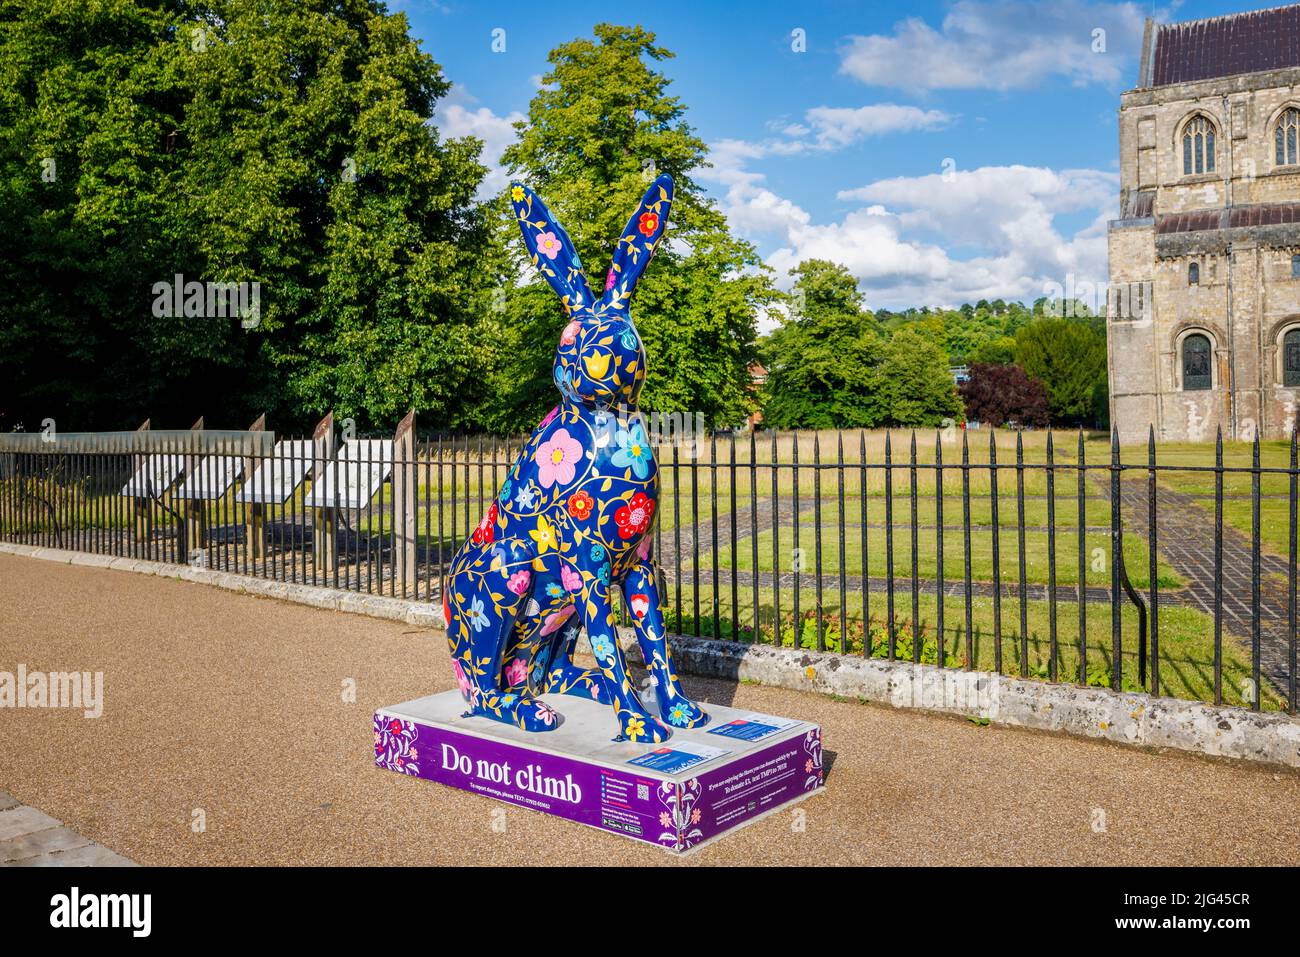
29 838
236 730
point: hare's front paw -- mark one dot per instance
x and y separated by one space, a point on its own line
641 727
682 713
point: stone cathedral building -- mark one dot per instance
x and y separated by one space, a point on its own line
1203 311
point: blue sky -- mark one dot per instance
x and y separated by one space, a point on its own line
943 152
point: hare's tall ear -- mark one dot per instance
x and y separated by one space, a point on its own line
639 241
550 249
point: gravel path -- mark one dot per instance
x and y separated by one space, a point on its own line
231 710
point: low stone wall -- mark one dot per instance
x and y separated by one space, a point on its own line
1124 718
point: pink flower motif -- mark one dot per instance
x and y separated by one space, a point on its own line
548 245
807 767
557 459
664 819
518 582
695 816
544 714
415 754
569 334
550 417
643 550
595 691
610 279
461 679
571 580
516 671
556 619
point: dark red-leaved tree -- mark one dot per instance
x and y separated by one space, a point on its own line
1003 394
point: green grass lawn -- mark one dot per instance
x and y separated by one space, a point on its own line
1096 546
981 509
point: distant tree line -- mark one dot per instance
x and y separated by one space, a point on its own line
834 363
294 146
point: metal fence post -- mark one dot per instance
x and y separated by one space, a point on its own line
323 521
405 502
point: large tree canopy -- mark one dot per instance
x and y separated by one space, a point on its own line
287 145
823 363
601 127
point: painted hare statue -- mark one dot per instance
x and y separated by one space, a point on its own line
575 516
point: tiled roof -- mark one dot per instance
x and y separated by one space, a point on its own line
1225 46
1264 214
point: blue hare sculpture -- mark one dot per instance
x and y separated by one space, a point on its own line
575 515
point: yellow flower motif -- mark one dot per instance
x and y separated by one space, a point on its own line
517 194
597 365
544 536
635 728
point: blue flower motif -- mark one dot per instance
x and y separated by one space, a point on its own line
526 497
603 573
554 590
633 451
597 552
628 339
477 617
601 646
679 715
505 493
508 699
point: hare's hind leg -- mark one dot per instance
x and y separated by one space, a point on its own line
561 676
635 723
488 588
642 590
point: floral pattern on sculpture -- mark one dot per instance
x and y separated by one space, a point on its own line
574 517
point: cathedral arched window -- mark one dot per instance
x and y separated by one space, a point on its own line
1198 146
1193 274
1285 134
1196 363
1291 358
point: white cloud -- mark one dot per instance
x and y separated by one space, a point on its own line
456 117
754 209
987 233
1002 45
836 127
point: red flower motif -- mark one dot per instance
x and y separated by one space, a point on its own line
648 224
633 517
486 528
640 604
580 504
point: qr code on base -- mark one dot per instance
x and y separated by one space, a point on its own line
643 792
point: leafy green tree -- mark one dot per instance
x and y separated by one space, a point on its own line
1069 358
1000 351
600 128
823 363
916 381
287 145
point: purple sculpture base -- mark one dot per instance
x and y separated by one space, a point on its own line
679 795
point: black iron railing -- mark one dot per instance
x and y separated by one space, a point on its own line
775 538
